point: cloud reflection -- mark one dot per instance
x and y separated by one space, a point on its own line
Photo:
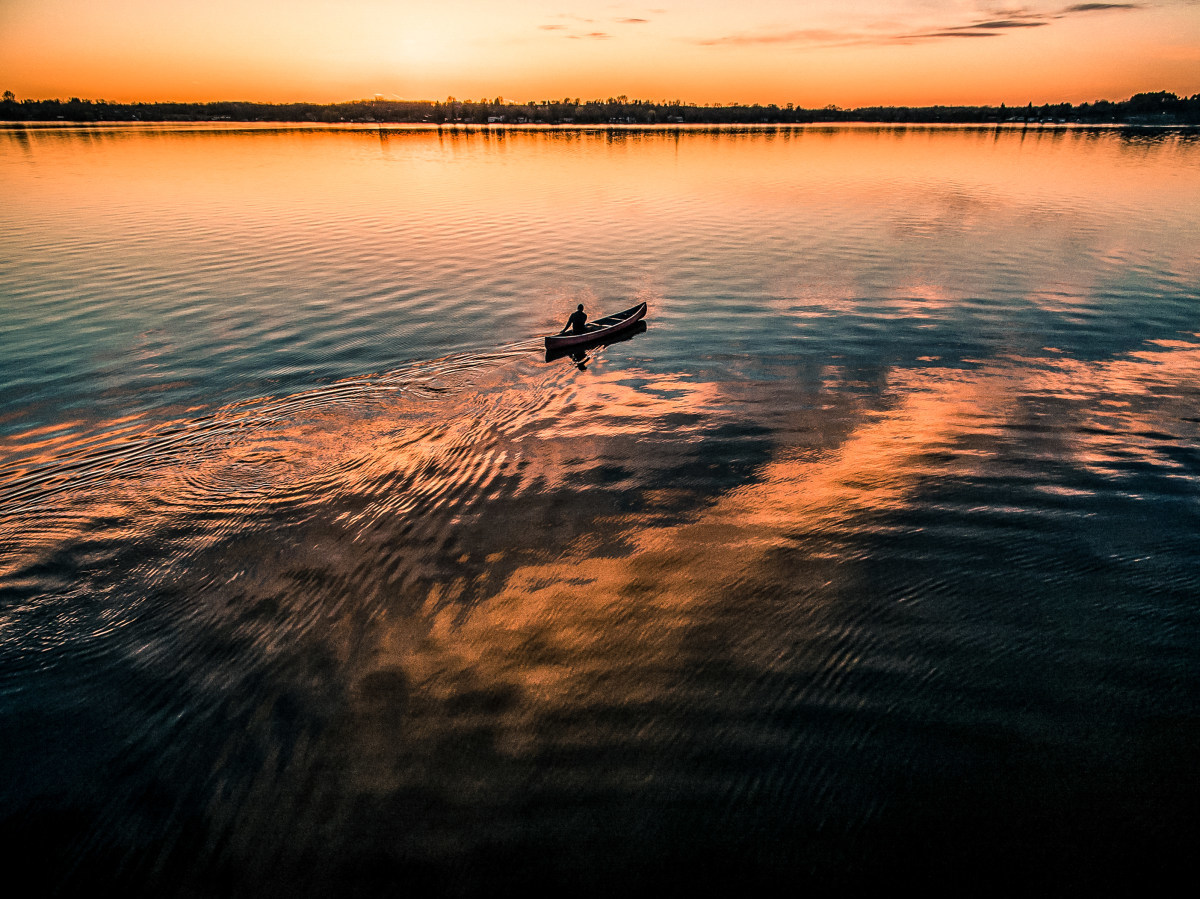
552 632
462 562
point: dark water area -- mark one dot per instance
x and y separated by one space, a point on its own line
874 558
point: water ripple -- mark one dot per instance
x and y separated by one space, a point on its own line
887 521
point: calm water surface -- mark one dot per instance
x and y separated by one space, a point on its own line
876 556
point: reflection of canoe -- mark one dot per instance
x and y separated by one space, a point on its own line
600 329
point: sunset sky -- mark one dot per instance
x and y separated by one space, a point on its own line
847 52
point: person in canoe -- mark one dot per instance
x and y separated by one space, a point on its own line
577 323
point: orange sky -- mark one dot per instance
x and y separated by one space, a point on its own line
703 51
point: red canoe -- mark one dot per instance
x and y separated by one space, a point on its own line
599 329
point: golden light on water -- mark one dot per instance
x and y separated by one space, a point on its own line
320 577
553 633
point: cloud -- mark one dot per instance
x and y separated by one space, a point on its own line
1003 23
1011 20
912 38
1097 7
590 35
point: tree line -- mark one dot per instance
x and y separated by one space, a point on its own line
1156 108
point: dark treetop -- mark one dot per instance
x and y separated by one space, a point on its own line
1161 108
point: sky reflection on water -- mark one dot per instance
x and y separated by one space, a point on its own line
873 556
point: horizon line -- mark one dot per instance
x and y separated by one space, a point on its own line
619 99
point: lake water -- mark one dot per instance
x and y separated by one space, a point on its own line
875 556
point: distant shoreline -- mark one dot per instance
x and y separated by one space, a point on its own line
1151 109
663 128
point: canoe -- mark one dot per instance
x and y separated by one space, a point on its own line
600 329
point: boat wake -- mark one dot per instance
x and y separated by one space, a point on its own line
250 456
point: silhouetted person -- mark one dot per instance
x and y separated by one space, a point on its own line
577 322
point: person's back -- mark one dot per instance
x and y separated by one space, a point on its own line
577 322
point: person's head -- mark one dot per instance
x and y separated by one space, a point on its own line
581 307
